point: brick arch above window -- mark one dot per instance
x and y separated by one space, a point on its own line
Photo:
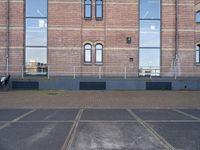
88 42
99 42
197 7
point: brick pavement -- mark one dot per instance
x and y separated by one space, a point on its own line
104 99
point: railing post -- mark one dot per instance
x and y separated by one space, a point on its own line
175 76
22 71
150 73
74 72
125 73
48 72
99 72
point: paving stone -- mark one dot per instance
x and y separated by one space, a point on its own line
181 135
34 136
11 114
114 136
52 115
193 112
159 114
106 114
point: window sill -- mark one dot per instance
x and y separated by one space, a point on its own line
99 19
87 63
87 19
197 64
99 64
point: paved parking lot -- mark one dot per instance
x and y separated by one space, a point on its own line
100 129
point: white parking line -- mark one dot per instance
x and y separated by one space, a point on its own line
186 114
16 119
152 131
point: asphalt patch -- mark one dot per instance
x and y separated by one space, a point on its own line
183 136
114 136
106 114
159 114
34 136
52 115
11 114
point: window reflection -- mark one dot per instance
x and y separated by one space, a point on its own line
198 54
87 53
36 32
149 55
149 33
99 9
88 8
36 60
99 53
149 9
36 37
198 17
149 61
36 8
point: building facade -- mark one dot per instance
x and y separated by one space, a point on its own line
100 37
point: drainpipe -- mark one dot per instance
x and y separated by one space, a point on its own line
7 46
176 33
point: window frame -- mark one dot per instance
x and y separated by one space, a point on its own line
99 62
85 4
197 12
87 62
96 4
35 46
197 50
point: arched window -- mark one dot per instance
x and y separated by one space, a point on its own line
198 53
88 9
198 17
88 53
99 53
99 9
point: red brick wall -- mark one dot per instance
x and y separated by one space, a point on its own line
67 31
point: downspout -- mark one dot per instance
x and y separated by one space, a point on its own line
176 33
175 61
7 46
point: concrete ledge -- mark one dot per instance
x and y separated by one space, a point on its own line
118 84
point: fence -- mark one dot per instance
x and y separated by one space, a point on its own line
100 72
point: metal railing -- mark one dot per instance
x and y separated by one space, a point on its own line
100 72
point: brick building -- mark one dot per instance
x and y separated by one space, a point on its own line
100 37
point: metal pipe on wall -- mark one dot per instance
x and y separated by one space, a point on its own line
177 32
7 46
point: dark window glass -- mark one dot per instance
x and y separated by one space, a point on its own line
99 53
88 9
99 9
36 32
149 9
198 54
36 8
149 33
87 53
198 17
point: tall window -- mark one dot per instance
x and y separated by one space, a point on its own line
88 9
198 54
198 17
87 53
99 53
149 55
36 37
99 9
